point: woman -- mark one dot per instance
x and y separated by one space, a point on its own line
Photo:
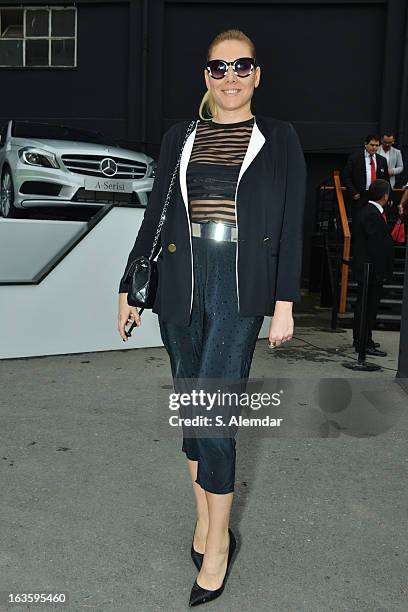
238 173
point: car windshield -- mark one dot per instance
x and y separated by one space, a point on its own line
21 129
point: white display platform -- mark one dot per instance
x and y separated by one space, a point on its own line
26 246
74 308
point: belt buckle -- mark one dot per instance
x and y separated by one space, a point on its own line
221 231
215 230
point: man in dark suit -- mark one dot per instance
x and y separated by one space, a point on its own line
372 243
363 167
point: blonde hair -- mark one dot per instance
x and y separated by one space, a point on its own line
208 107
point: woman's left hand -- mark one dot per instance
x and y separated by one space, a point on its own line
282 326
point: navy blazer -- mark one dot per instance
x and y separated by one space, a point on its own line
269 204
354 174
372 242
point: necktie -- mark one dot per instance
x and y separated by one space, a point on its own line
384 216
373 173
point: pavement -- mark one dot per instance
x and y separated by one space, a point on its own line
96 500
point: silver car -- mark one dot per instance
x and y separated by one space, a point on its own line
52 165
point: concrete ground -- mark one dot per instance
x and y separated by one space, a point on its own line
96 500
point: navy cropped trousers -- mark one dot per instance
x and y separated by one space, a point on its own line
217 344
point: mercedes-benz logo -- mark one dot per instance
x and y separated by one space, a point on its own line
108 167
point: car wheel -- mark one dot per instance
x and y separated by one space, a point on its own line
7 208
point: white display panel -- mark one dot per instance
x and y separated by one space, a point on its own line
74 309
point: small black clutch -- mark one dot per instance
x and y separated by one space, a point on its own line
142 278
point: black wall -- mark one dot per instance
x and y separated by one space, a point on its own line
316 70
336 69
94 95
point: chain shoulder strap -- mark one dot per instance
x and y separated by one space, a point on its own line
166 203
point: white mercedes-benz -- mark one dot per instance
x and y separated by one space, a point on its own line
50 165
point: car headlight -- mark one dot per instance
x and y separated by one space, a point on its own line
151 169
38 157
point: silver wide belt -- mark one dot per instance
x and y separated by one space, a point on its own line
215 230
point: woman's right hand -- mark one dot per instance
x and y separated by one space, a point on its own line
126 315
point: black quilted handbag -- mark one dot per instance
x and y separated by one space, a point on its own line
142 275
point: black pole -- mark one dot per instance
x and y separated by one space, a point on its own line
336 297
326 285
361 363
363 331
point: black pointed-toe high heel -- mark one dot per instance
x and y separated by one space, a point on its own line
196 556
199 595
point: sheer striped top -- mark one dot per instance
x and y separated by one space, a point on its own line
213 169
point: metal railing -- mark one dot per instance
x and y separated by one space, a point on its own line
332 224
345 264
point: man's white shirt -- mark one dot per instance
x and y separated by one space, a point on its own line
368 167
377 205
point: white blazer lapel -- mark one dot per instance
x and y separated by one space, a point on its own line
185 157
255 144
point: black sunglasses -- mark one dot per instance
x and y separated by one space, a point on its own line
242 67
